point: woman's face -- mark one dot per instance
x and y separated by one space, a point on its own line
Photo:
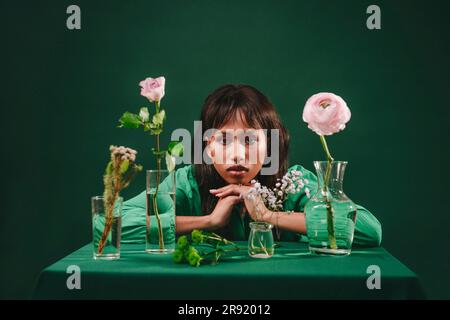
237 151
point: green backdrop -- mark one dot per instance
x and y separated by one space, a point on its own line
62 92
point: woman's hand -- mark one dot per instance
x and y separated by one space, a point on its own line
290 221
221 213
255 206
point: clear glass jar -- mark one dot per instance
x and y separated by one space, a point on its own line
160 212
260 242
106 229
330 214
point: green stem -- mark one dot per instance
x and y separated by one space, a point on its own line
158 178
236 248
263 246
215 236
325 148
330 213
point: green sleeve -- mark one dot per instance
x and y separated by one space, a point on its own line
367 229
133 219
134 209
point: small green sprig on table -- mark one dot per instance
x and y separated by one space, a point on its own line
202 247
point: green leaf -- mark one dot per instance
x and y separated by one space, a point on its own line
124 166
176 148
130 120
109 168
160 153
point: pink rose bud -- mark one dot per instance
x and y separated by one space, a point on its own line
153 89
326 113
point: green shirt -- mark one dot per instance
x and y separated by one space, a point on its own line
188 203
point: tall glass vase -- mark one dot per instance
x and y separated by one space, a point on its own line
161 187
106 229
330 214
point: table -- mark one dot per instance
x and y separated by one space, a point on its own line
292 273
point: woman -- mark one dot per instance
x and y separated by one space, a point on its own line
212 196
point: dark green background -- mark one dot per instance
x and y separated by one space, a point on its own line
62 92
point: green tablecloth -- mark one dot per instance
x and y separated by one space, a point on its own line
292 273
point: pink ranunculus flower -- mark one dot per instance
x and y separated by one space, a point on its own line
153 89
326 113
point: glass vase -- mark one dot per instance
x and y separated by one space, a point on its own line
260 241
106 228
330 214
160 235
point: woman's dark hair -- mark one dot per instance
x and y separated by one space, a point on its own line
232 101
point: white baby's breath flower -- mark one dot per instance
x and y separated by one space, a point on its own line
251 194
290 183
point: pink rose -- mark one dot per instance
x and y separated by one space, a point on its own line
153 89
326 113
